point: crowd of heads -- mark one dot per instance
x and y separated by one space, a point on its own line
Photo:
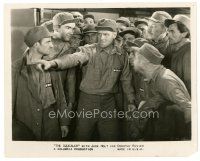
79 30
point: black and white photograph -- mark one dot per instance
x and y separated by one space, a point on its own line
86 74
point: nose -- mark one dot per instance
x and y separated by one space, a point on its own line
149 29
51 45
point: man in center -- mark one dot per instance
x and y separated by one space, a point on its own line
104 65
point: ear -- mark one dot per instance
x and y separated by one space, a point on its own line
36 44
184 34
114 35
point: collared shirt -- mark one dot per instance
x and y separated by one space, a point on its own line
102 69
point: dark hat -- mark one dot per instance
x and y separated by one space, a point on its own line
150 53
35 34
124 20
88 16
48 25
131 30
138 42
140 21
107 24
63 18
89 29
179 18
160 16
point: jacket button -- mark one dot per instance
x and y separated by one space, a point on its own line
38 109
37 123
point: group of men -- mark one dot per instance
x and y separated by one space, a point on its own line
75 64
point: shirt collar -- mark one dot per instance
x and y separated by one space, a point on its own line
111 49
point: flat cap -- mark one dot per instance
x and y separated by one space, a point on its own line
88 16
138 42
150 53
179 18
140 21
35 34
91 28
131 30
124 20
107 24
63 18
160 16
48 25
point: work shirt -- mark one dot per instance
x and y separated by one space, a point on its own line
165 86
181 64
68 76
102 69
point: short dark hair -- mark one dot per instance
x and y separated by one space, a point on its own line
182 28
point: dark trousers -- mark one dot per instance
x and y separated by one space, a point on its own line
106 126
169 126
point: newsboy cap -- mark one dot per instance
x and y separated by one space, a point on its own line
131 30
107 24
89 29
138 42
140 21
48 25
179 18
63 18
88 16
35 34
160 16
124 20
150 53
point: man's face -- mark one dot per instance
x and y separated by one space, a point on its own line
89 21
66 31
90 38
75 41
121 27
127 37
77 15
143 28
45 46
105 38
80 23
174 34
136 60
154 30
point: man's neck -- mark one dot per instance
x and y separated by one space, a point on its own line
177 46
34 56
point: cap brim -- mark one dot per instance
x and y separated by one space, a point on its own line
105 28
87 32
135 33
140 22
168 22
153 19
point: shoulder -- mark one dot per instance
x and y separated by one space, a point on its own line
88 48
17 64
169 80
